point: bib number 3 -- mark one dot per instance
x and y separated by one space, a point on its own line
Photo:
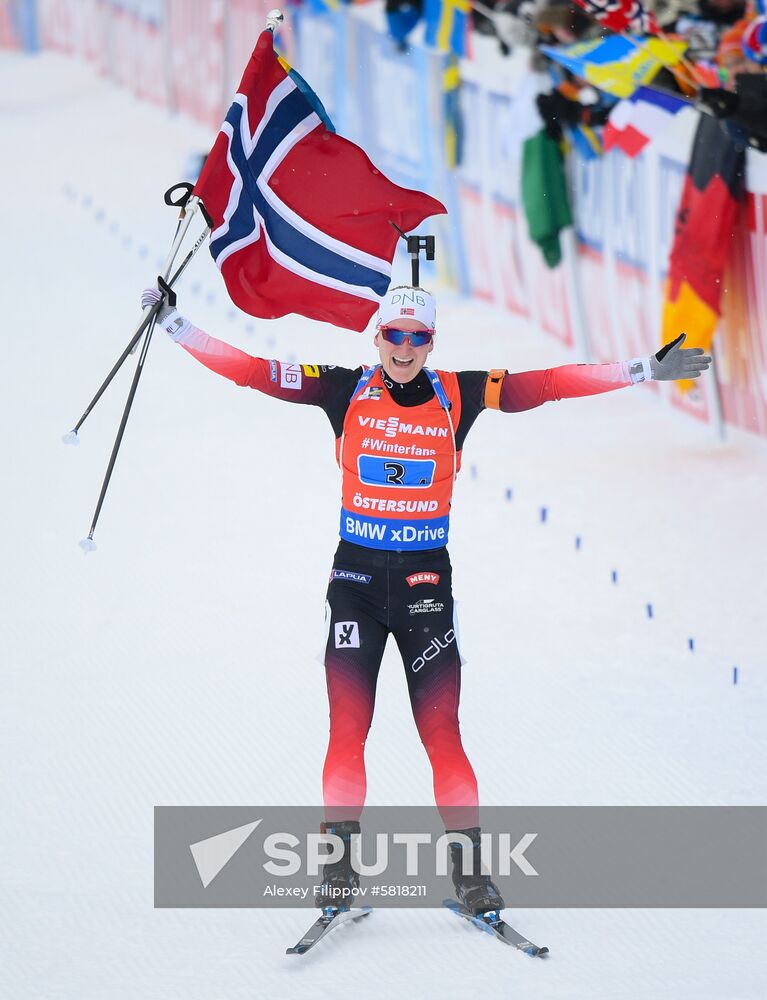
395 473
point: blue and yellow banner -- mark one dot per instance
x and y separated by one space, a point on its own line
318 6
617 64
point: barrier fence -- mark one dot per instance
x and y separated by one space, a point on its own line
603 301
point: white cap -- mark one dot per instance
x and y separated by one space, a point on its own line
406 302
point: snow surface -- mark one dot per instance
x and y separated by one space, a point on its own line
177 664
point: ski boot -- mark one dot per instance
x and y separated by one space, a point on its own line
338 876
476 891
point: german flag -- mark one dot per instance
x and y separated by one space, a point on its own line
703 232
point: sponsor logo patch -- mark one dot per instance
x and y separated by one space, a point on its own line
290 376
394 426
273 371
429 535
416 578
432 650
427 606
407 312
400 298
347 635
327 368
311 371
372 392
348 574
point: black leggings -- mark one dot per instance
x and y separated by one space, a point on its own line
373 593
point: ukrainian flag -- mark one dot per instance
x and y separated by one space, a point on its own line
447 25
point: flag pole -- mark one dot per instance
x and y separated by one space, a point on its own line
274 19
189 206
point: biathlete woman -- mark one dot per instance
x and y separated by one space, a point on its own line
400 428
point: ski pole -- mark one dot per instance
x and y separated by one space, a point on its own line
189 206
183 265
71 436
87 544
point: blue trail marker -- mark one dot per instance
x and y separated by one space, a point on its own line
577 541
691 645
614 576
544 512
734 675
649 610
509 493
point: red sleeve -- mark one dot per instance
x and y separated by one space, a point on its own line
295 383
525 390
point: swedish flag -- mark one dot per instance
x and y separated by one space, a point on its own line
451 86
447 25
586 141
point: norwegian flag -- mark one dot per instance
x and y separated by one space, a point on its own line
301 217
622 15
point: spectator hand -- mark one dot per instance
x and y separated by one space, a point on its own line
674 362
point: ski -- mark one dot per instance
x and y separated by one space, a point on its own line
493 924
328 919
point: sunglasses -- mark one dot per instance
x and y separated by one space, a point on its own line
397 337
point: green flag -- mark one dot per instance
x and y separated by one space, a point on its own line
544 194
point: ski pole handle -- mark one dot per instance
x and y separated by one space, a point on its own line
181 200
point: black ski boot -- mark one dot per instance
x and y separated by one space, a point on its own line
338 877
476 891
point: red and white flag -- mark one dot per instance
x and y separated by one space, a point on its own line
640 118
